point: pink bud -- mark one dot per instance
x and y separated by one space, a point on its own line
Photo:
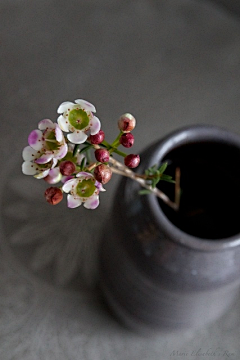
132 160
102 173
67 168
127 140
126 123
53 195
102 155
98 138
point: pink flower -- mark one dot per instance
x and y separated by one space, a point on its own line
46 146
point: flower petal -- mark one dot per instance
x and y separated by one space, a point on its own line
46 123
61 152
63 123
29 153
54 162
29 168
86 105
42 174
64 106
95 125
92 202
77 137
58 133
69 184
35 139
84 174
54 176
73 202
66 178
99 186
45 158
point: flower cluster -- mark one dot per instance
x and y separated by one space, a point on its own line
58 158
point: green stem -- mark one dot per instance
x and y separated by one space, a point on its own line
112 149
105 143
116 142
119 152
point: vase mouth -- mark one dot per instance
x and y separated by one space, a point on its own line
195 134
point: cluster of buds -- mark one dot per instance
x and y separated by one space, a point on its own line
65 159
126 124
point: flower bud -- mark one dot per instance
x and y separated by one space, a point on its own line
127 140
98 138
126 123
102 173
53 195
67 168
102 155
132 160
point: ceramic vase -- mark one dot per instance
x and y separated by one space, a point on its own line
167 269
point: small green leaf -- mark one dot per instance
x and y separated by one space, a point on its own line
144 192
76 147
171 181
82 164
88 155
151 170
166 177
163 167
154 168
86 148
155 182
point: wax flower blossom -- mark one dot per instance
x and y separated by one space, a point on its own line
78 118
66 158
46 147
83 189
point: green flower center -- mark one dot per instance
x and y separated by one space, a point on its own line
78 118
51 141
86 188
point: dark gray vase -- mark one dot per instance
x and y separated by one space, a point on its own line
177 270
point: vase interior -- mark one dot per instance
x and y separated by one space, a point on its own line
210 189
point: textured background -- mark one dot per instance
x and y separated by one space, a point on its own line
170 63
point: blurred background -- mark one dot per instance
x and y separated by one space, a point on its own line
170 63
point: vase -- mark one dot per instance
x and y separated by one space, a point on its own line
167 269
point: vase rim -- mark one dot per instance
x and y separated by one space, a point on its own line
187 135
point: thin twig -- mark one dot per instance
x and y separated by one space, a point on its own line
121 169
177 187
92 166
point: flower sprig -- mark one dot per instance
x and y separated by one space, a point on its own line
66 159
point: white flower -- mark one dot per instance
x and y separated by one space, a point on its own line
78 118
46 146
83 189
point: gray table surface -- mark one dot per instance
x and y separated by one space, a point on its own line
171 63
